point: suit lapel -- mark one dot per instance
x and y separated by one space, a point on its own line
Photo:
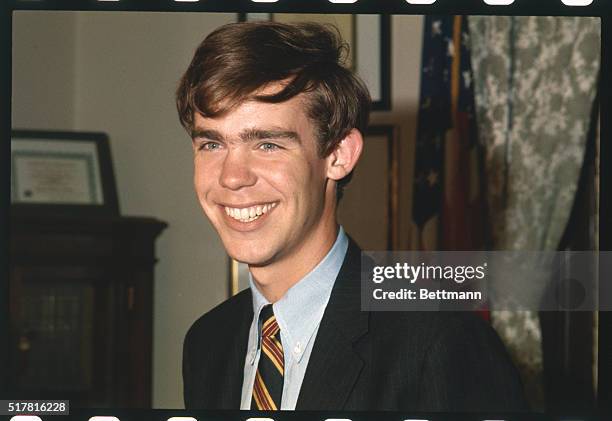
334 366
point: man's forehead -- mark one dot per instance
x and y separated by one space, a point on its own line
268 90
264 121
253 113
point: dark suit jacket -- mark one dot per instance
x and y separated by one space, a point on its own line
394 361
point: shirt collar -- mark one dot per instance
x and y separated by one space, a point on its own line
300 310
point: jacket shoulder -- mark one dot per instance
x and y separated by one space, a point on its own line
223 317
213 349
424 324
462 363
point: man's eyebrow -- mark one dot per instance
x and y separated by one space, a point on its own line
263 134
247 135
200 133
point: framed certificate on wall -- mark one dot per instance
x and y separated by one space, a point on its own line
62 173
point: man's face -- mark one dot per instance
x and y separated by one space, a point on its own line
260 180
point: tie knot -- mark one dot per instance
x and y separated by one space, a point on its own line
269 326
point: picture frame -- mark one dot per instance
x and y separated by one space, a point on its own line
61 173
375 181
369 39
238 276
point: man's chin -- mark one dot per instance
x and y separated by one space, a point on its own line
255 258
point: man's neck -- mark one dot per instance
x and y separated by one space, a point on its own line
274 280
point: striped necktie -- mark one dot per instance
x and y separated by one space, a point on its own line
268 386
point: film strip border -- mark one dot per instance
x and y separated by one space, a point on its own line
510 7
485 7
170 415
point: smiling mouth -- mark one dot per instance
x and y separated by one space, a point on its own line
249 214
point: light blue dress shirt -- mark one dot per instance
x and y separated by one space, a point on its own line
298 313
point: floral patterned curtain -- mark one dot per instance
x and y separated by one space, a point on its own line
535 83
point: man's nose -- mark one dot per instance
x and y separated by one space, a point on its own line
236 172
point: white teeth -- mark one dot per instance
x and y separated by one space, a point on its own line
249 214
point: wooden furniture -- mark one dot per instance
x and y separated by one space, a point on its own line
81 309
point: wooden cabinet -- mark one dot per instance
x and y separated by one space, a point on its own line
81 307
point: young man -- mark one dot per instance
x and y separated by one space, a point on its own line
276 123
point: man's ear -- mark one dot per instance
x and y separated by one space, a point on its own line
344 158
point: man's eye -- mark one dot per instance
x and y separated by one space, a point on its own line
209 146
268 147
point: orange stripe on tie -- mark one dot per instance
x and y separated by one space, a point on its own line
267 322
273 354
258 395
271 328
267 403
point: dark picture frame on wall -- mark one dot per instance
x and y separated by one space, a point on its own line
62 173
375 180
369 39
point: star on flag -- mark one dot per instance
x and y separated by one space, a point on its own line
436 27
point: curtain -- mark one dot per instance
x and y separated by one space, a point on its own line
535 83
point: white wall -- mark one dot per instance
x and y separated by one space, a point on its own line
117 73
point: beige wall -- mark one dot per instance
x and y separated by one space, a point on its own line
129 93
43 52
71 74
406 40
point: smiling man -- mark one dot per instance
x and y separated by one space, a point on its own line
262 183
276 122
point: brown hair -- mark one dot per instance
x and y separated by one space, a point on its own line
237 60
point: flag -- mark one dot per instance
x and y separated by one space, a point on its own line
448 171
463 217
434 118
